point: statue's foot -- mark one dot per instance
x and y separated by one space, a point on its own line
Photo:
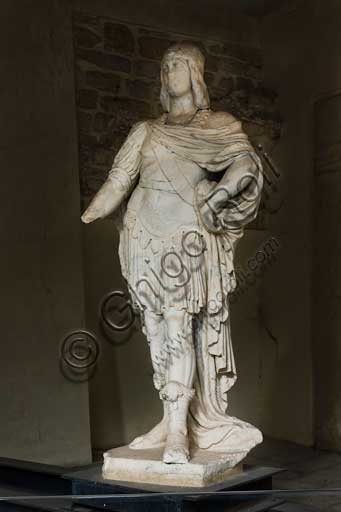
155 438
176 449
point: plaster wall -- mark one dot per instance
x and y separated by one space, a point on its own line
301 60
44 416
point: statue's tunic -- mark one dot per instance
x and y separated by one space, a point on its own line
170 260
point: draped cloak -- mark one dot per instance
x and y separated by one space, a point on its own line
213 150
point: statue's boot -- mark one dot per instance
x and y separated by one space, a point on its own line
176 397
155 438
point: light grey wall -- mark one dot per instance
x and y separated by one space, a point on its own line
44 416
302 60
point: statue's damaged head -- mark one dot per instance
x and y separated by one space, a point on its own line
182 71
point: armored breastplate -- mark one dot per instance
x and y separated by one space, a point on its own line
164 197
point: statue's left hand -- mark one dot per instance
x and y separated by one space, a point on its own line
210 219
208 214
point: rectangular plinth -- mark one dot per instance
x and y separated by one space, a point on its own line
146 466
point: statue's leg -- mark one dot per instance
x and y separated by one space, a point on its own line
155 331
178 391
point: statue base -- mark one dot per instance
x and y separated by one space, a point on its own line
129 496
146 466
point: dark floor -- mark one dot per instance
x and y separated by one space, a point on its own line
306 468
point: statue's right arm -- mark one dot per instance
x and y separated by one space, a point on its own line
104 202
121 178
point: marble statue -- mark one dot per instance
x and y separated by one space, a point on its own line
184 186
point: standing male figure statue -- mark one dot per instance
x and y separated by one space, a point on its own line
186 184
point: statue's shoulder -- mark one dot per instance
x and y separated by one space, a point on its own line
218 119
140 125
139 130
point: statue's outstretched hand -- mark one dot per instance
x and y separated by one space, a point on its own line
105 202
92 213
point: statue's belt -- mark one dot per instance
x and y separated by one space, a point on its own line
163 186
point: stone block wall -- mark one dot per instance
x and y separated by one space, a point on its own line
117 82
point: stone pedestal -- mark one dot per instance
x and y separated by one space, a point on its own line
146 466
123 496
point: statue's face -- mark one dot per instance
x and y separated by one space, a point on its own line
176 76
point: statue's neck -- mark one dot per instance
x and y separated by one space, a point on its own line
182 109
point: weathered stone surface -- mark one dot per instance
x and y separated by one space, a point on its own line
266 94
113 138
82 19
246 84
87 139
103 81
90 181
80 76
94 172
210 78
118 38
102 156
84 120
252 108
85 37
225 103
227 84
150 32
100 123
86 98
84 155
146 466
234 66
271 116
247 54
114 104
147 68
253 129
96 156
153 48
255 87
105 60
124 112
212 64
139 89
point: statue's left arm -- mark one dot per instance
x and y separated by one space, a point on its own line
237 178
234 200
